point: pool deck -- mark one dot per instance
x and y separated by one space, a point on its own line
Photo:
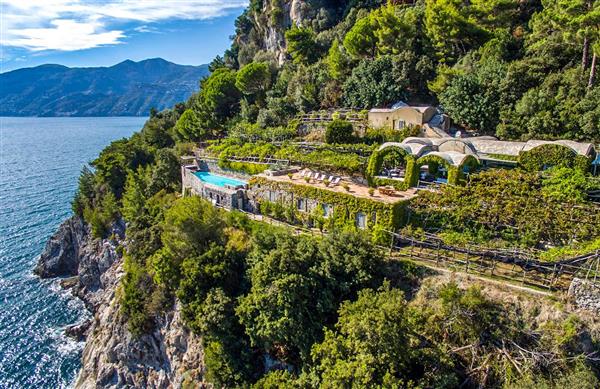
355 189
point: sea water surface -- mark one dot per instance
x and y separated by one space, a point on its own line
40 161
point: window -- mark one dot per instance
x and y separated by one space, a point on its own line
361 220
401 124
301 205
327 210
272 196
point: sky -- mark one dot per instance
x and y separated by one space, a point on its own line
85 33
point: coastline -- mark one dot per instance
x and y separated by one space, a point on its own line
112 356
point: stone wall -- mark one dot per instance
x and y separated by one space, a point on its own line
585 295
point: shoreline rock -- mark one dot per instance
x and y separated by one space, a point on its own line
171 356
60 257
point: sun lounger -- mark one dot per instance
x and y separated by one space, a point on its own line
336 180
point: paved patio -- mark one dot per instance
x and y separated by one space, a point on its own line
355 189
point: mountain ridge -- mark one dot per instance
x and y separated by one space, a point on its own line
127 88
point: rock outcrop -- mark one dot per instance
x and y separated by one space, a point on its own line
169 357
585 295
60 257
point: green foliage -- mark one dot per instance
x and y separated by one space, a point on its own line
219 97
568 185
451 30
337 61
504 206
322 157
472 99
381 32
339 131
345 206
549 155
382 135
376 162
253 78
301 45
373 346
297 284
372 84
85 191
189 126
245 167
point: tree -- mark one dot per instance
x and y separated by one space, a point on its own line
451 30
301 45
373 346
472 99
373 83
360 41
85 191
166 173
134 197
336 61
189 127
253 78
339 131
297 284
219 97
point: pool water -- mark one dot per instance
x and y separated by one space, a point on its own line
218 180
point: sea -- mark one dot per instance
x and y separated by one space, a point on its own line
40 162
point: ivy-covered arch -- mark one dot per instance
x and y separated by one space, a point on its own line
548 155
434 161
376 162
468 165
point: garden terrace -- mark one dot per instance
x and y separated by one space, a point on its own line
323 157
353 189
328 206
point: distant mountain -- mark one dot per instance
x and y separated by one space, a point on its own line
126 89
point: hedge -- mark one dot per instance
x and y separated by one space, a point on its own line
246 167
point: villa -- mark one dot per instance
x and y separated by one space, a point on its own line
376 201
432 122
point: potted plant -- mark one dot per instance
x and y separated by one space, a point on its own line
371 191
326 182
290 175
346 186
307 179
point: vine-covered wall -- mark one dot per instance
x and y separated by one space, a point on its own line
380 216
549 155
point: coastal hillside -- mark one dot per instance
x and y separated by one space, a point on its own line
304 244
125 89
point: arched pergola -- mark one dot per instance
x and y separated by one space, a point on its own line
405 153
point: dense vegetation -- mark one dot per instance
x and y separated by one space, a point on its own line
330 311
518 69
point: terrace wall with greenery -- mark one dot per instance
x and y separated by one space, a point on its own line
345 207
549 155
347 159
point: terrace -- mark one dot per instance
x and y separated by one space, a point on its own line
385 195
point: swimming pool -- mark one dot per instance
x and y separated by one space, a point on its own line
218 180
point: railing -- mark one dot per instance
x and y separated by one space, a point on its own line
511 265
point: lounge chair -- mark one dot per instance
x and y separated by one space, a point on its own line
330 179
304 172
336 181
320 177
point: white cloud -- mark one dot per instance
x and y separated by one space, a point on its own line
68 25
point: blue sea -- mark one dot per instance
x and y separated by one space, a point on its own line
40 161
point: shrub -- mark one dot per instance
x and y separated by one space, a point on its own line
339 131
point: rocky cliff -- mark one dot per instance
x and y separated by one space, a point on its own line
167 358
